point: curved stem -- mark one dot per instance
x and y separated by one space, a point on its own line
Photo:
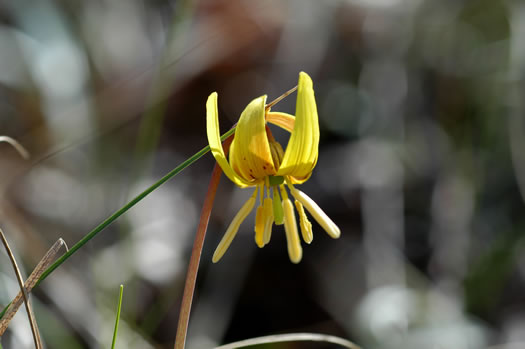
291 337
18 147
193 267
126 207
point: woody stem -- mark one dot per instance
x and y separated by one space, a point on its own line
193 267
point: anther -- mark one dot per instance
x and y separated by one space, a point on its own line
268 220
259 226
304 223
295 251
324 221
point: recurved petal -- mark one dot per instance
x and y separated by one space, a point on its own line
233 228
214 139
283 120
301 153
250 154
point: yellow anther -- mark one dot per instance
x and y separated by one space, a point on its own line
268 220
304 223
259 226
318 214
295 252
234 227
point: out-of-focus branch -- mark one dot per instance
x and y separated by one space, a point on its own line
19 148
13 307
291 337
30 315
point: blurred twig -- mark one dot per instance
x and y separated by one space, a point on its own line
19 148
126 207
193 267
291 337
11 310
30 315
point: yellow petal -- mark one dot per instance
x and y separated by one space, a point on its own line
283 120
233 228
214 139
250 154
301 153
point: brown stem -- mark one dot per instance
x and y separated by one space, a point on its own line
280 98
32 322
193 267
31 281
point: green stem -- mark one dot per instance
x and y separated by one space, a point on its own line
125 208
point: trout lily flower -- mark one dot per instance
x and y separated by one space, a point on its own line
257 160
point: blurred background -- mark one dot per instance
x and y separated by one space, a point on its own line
422 166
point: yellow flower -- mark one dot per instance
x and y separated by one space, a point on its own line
257 160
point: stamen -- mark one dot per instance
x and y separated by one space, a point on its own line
277 207
321 217
234 227
268 220
283 192
261 193
295 252
259 226
304 223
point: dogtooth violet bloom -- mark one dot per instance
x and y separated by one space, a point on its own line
257 160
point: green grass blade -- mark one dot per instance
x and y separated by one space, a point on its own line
115 331
126 207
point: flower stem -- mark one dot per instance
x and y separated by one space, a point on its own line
126 207
193 267
123 210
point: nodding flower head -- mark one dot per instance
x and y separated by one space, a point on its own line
257 160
